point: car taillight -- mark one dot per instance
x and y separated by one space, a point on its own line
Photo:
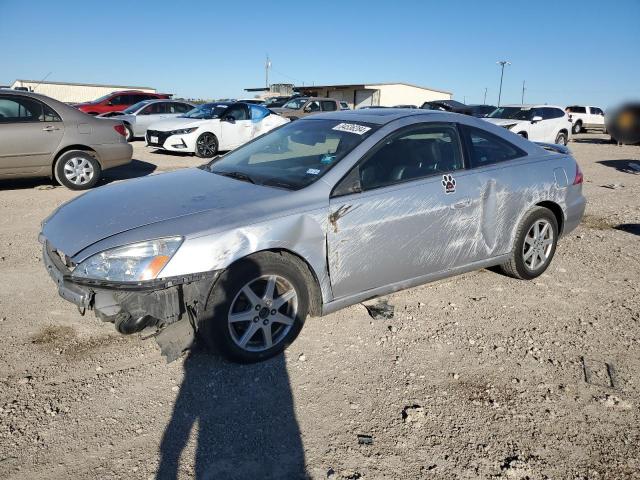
579 177
120 129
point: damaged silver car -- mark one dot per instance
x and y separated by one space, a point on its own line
319 214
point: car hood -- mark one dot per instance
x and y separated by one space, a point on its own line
176 123
502 122
185 202
281 110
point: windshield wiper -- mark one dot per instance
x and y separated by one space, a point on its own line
238 176
274 182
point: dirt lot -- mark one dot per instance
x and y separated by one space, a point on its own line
479 376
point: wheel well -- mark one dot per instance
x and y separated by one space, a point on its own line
579 121
68 148
563 130
557 212
524 134
315 294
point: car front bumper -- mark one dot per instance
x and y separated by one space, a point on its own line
173 143
131 306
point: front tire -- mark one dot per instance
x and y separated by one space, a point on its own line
77 170
561 139
256 308
206 145
535 245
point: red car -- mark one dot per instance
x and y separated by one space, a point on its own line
117 101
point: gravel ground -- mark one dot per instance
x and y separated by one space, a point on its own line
477 376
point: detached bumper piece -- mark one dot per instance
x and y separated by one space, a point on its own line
132 307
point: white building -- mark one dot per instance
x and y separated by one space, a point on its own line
372 94
73 92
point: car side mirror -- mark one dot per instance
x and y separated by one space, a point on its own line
110 103
535 119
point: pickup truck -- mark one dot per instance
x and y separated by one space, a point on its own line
586 118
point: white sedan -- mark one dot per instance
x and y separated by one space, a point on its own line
213 127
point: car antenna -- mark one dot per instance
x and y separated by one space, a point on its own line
45 77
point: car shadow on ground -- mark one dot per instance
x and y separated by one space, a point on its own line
135 169
626 166
599 141
244 416
633 228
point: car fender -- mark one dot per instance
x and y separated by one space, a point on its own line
303 234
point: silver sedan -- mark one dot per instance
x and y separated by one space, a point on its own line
139 116
315 216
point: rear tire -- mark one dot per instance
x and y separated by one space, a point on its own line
577 127
77 170
247 323
561 139
532 254
128 133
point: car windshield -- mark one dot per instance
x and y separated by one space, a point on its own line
296 103
135 107
294 155
512 113
101 99
206 111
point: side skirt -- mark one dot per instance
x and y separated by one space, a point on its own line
343 302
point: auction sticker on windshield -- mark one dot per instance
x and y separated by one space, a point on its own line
352 128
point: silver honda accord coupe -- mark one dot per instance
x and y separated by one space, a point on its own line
319 214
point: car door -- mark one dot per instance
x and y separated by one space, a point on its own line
149 114
415 214
235 126
539 130
493 161
30 132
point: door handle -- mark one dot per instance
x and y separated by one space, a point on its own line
50 128
461 204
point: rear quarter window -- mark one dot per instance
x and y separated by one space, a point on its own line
485 148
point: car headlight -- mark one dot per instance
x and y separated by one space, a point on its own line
183 131
130 263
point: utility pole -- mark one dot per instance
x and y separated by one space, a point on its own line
485 96
502 63
267 66
523 89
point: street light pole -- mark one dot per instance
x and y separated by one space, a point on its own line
502 63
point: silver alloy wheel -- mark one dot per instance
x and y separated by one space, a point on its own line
78 170
262 313
537 245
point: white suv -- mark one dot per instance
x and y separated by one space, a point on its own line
538 123
586 118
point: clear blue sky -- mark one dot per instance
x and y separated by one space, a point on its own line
567 51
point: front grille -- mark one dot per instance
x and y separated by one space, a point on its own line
162 137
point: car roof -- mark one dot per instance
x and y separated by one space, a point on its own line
378 116
532 105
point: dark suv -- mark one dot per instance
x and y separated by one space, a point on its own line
118 101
